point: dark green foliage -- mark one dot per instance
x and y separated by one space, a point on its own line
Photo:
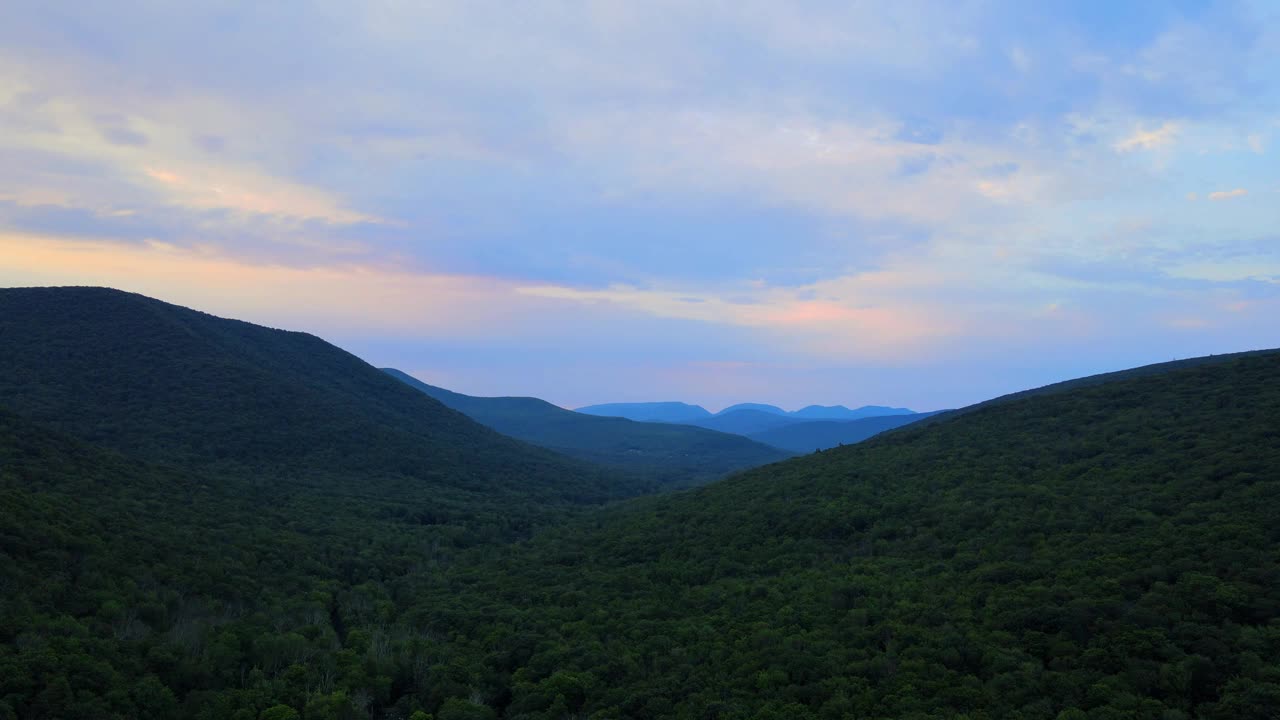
130 590
669 454
1108 552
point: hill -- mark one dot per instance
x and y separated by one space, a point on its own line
671 412
1104 551
772 409
136 590
1104 378
750 417
669 454
163 383
805 437
1109 551
202 518
127 585
840 412
745 422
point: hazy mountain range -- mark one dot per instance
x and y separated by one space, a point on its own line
678 412
815 427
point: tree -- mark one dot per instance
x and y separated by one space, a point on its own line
279 712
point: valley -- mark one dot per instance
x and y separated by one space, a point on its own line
204 518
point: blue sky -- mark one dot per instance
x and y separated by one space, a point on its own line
908 203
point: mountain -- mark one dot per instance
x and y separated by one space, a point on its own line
1104 378
840 412
1104 549
197 514
142 590
670 412
670 454
757 423
163 383
678 412
1110 550
803 437
745 422
126 583
772 409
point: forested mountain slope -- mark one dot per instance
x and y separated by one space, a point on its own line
1103 378
164 383
674 455
133 590
1110 551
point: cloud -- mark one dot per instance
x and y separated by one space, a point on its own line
123 136
867 168
1228 194
148 157
841 182
1143 139
346 296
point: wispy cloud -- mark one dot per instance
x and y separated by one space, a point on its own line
338 296
1144 139
151 159
1228 194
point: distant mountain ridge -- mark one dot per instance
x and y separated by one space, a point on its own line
813 427
761 407
670 412
840 412
806 437
745 422
670 453
696 414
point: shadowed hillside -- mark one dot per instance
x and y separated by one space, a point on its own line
164 383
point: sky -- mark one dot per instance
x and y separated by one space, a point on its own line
919 204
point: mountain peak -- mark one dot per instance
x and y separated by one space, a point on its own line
670 411
761 407
840 412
